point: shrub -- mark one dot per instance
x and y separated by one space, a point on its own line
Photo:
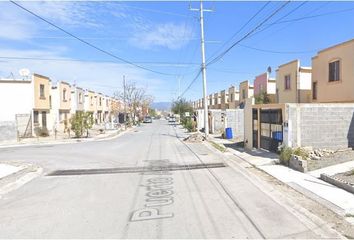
285 155
80 122
301 152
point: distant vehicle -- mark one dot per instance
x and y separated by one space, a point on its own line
172 119
147 119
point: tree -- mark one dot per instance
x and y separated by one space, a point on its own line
80 122
135 99
181 106
262 98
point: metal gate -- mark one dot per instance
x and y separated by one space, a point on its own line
271 129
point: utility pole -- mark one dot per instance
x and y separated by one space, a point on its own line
125 105
205 97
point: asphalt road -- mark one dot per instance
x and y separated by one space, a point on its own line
146 183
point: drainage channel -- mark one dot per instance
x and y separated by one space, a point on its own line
136 169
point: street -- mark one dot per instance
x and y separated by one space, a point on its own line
147 183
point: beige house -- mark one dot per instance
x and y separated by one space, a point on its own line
77 99
233 99
333 74
246 91
107 109
217 100
61 106
90 102
224 99
293 83
211 101
28 99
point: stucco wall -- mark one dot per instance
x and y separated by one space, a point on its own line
16 97
287 95
320 125
338 91
260 83
41 103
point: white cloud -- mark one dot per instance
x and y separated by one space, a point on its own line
169 35
105 77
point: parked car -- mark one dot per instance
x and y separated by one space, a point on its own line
147 119
172 119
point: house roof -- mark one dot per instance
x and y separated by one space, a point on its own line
337 45
296 60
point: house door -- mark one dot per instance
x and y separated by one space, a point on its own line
44 119
271 129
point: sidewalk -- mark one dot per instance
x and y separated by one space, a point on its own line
61 140
338 200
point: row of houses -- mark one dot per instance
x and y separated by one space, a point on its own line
329 79
306 106
38 104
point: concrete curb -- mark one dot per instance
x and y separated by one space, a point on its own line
337 182
70 141
17 179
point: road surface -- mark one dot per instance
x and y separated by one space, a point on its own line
147 183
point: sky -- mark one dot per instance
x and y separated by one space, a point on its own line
162 40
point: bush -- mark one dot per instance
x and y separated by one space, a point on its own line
301 152
285 155
188 124
80 122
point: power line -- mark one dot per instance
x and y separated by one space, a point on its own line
314 16
191 83
88 43
161 63
243 26
247 35
278 52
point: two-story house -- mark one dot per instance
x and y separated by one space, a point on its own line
224 99
30 99
233 99
77 99
61 106
246 91
263 84
293 83
99 108
333 74
217 100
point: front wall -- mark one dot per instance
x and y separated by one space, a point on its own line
287 96
38 102
341 91
321 125
260 80
65 105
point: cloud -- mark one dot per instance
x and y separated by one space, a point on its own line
17 24
105 77
169 35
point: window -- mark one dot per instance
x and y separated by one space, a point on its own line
314 90
287 82
41 91
243 93
333 73
91 100
35 116
64 95
100 101
80 97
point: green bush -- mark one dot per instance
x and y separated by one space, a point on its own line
301 152
80 122
285 155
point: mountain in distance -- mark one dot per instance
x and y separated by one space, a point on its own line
166 106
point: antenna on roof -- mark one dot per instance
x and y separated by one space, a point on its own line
24 73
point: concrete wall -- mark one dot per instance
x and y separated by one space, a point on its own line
320 125
235 120
8 131
248 131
